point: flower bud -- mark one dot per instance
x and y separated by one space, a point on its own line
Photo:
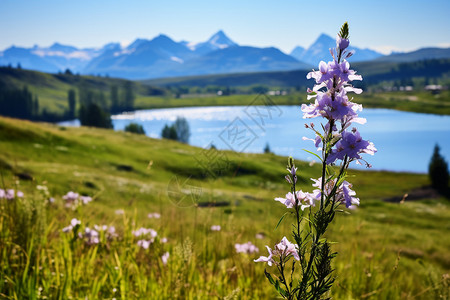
342 43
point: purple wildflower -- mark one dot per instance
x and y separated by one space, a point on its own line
304 200
145 231
73 223
144 244
343 194
351 145
268 259
342 43
284 249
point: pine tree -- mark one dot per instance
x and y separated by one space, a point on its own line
438 171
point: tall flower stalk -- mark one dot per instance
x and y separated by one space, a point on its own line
338 146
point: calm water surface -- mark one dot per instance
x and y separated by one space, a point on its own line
404 140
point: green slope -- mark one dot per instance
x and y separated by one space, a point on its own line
52 89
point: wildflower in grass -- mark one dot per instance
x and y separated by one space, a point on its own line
145 244
165 258
164 240
283 250
73 223
71 196
85 199
338 146
73 199
109 231
268 259
91 236
154 215
300 198
248 248
215 228
10 194
145 231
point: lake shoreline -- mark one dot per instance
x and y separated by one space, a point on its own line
404 139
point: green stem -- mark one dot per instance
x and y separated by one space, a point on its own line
281 270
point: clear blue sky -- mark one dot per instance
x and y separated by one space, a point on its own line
380 24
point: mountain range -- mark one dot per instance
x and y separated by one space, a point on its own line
163 57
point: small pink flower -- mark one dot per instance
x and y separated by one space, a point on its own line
248 248
215 228
267 259
154 215
165 258
145 244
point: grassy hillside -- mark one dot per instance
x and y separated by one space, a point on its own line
52 89
386 250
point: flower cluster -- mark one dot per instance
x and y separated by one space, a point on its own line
314 211
248 248
73 224
283 250
10 194
154 215
215 228
74 200
303 199
149 233
91 235
343 194
332 103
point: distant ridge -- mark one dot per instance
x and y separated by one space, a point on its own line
162 57
319 50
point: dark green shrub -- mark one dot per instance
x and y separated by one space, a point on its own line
135 128
438 171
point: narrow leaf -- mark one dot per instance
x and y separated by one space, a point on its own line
281 219
315 154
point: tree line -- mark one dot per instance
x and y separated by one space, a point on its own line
92 106
95 108
19 103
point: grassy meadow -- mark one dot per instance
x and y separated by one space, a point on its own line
385 250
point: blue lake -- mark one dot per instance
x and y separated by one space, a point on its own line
404 140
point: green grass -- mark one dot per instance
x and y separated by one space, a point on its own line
386 250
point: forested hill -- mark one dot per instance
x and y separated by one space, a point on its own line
41 96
